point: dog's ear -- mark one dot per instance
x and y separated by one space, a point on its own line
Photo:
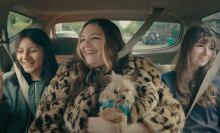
113 73
106 80
136 97
103 80
133 75
100 79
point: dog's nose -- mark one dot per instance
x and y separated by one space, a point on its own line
123 97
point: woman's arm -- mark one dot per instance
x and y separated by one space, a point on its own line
155 106
4 115
99 125
50 111
49 116
4 108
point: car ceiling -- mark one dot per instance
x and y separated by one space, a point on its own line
54 11
72 10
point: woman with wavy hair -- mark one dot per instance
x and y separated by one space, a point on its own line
71 101
198 51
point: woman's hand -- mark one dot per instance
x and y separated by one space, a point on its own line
1 88
99 125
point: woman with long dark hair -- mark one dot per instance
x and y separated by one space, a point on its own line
37 63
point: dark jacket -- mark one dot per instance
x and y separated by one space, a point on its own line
205 120
14 111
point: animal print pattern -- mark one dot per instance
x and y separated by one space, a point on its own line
155 107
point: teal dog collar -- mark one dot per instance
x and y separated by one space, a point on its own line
125 109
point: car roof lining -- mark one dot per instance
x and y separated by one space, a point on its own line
114 9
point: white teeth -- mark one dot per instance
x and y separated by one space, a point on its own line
28 63
90 52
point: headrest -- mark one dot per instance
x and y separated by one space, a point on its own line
64 45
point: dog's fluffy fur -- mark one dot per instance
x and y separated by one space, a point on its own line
121 90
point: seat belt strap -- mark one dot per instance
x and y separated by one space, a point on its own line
21 80
141 31
207 81
23 83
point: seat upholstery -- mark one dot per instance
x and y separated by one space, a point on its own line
64 46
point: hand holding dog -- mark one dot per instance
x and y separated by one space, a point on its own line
99 125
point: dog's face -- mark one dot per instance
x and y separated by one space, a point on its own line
121 90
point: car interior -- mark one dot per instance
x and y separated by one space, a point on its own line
150 28
137 18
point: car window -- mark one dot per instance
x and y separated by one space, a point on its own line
68 29
72 34
160 34
16 23
213 21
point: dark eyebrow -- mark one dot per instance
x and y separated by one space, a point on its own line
96 34
29 47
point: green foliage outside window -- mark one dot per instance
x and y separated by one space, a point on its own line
16 23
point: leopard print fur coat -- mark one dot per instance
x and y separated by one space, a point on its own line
156 108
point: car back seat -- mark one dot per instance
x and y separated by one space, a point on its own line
64 48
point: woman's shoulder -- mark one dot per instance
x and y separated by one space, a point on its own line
7 75
68 66
169 79
171 74
216 82
140 58
141 63
67 71
217 79
8 83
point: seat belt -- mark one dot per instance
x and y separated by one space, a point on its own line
21 80
210 75
141 31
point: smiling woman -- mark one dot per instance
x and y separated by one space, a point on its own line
198 51
91 45
37 63
71 100
160 39
30 56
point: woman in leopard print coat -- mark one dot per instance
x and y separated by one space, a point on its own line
72 96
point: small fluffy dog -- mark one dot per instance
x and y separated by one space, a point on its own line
117 98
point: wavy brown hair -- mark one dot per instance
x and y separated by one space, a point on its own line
112 44
188 89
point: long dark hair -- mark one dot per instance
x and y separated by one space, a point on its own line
189 89
113 43
40 38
